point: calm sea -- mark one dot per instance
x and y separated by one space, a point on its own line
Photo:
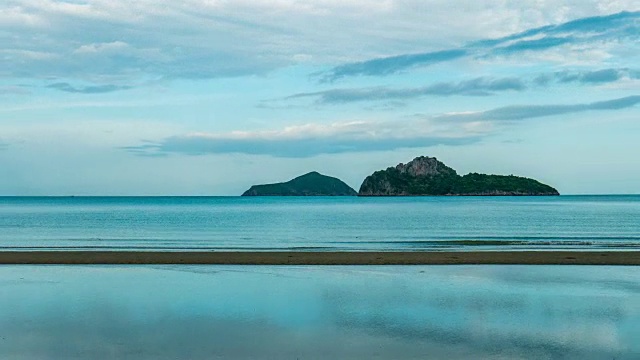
320 223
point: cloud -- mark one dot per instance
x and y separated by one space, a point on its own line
619 27
314 139
149 149
293 148
392 64
482 86
523 112
96 48
93 40
588 77
532 45
98 89
601 76
620 23
363 136
97 40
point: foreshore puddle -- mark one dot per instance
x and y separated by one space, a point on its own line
306 312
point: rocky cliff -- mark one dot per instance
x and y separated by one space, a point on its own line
311 184
428 176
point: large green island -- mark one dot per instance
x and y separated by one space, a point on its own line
428 176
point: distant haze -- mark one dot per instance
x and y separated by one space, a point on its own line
199 97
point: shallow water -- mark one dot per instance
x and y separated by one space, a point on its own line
358 312
325 223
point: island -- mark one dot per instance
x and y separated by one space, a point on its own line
310 184
427 176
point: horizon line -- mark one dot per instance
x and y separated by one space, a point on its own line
312 196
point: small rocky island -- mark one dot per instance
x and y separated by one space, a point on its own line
311 184
428 176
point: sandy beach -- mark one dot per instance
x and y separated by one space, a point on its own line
323 258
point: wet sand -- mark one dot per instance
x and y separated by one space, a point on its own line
323 258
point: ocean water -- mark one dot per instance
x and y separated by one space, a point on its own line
306 312
320 223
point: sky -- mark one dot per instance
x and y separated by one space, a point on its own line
208 97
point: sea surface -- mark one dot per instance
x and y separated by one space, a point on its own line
320 223
311 312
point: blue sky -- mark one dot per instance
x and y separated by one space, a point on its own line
207 97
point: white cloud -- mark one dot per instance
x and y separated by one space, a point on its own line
313 139
227 38
19 54
349 129
115 46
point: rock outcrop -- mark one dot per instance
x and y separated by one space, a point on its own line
311 184
428 176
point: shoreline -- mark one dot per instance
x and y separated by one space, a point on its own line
631 258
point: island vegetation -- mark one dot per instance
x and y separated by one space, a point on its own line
428 176
311 184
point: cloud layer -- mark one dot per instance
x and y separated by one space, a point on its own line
361 136
588 77
482 86
99 41
591 31
314 139
523 112
99 89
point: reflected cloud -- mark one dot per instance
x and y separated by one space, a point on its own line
458 312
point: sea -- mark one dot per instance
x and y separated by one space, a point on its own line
319 312
609 222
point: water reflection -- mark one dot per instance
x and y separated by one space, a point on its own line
242 312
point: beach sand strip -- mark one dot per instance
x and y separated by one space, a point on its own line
323 258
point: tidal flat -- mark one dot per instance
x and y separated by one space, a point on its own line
310 312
